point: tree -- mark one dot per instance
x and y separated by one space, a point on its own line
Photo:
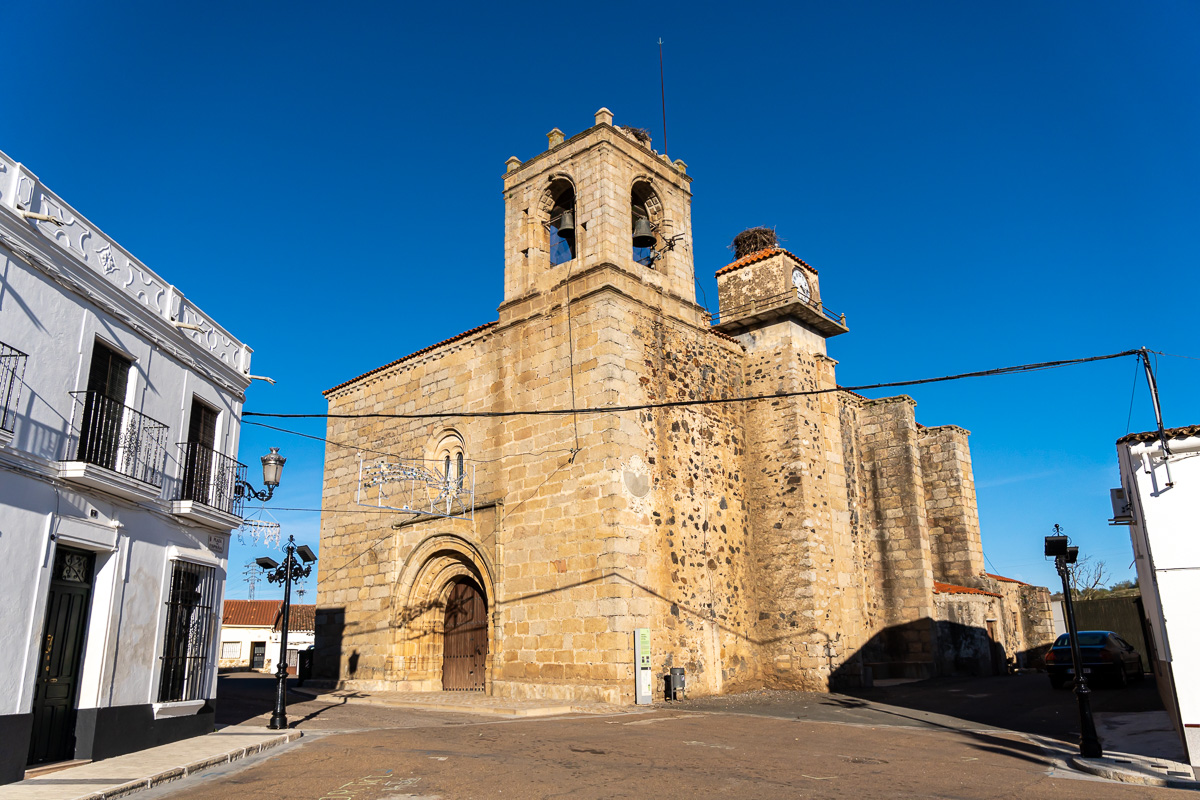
1087 578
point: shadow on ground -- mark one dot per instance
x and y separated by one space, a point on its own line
243 696
1023 703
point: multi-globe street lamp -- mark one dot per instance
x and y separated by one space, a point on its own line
292 570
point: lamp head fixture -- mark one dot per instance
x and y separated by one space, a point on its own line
266 562
1056 546
272 464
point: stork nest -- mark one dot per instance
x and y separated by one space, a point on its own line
752 240
641 134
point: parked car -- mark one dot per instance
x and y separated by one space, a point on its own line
1104 655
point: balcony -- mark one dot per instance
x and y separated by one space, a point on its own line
12 374
118 450
209 490
791 303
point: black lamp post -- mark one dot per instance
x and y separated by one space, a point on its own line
289 572
272 464
1089 742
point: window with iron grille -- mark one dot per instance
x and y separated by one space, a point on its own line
12 372
190 623
231 649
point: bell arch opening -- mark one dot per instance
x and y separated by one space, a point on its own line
558 208
646 212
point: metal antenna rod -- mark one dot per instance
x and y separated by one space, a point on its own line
1162 435
662 83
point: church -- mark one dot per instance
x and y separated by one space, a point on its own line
608 470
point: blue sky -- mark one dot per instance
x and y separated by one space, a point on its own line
979 185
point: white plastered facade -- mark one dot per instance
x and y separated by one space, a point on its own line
64 290
1162 491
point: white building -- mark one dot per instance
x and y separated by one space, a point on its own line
251 630
117 490
1160 501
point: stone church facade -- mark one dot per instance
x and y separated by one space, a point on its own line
808 539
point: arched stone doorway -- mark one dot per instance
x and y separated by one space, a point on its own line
444 603
464 638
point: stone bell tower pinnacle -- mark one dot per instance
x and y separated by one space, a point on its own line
604 204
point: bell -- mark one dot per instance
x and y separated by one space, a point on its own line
643 236
566 224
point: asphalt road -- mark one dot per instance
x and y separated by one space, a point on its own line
760 745
1023 703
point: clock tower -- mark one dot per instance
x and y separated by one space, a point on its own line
771 293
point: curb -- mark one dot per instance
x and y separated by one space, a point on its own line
191 768
456 708
1106 768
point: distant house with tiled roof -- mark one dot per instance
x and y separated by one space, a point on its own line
250 631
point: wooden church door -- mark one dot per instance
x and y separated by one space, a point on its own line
465 645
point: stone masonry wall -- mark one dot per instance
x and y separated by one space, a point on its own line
894 504
950 507
698 549
807 583
362 555
745 290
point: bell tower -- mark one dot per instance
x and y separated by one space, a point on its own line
604 205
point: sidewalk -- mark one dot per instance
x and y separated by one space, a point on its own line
115 777
1141 748
462 702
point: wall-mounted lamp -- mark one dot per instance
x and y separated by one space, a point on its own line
272 464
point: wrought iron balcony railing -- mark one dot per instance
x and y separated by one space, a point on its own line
116 437
211 478
758 304
12 374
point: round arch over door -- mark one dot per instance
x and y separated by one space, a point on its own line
465 638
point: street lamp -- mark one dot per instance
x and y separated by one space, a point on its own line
1057 547
289 572
272 464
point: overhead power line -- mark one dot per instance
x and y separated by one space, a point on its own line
987 373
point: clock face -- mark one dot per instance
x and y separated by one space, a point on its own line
801 284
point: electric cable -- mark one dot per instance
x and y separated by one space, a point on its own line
360 449
1132 395
1017 369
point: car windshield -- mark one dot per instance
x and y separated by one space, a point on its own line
1086 639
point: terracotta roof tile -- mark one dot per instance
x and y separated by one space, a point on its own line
950 588
256 613
420 352
1006 580
1152 436
724 335
760 256
301 618
266 613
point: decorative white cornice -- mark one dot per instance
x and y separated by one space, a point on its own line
79 257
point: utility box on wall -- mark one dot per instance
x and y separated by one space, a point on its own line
641 666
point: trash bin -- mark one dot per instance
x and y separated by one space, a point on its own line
675 684
304 668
